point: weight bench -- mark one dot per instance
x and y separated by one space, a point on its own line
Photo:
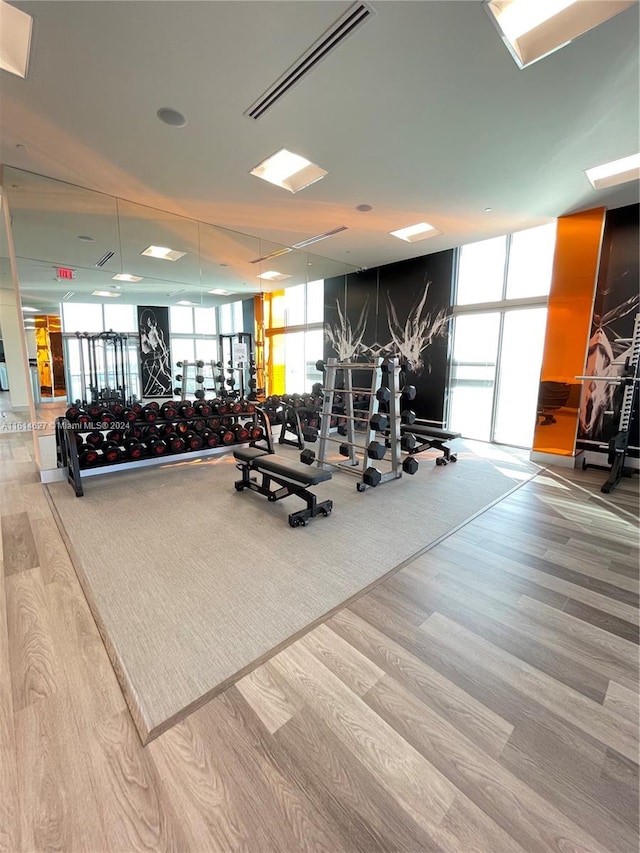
428 437
292 477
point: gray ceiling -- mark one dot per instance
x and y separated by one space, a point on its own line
422 114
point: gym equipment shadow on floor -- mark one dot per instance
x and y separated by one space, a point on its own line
192 583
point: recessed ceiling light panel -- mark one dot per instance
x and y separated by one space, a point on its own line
273 275
614 173
414 233
125 276
532 29
15 40
106 293
219 292
185 302
163 253
288 170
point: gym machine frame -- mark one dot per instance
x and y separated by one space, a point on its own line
629 378
97 363
390 368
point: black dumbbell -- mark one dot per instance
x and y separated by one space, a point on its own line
175 442
226 436
410 465
94 439
156 446
88 457
408 442
379 422
210 438
310 434
111 452
409 391
382 394
408 416
133 448
375 450
372 477
307 457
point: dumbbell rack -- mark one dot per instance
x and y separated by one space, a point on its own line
239 369
355 463
68 457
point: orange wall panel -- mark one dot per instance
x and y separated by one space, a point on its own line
573 284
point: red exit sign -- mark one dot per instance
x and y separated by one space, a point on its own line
65 272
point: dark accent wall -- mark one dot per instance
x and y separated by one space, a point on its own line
615 307
398 320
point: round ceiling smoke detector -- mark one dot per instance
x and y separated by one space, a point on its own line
171 117
364 208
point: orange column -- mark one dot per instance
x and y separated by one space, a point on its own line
573 284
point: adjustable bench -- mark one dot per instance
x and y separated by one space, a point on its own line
292 477
429 436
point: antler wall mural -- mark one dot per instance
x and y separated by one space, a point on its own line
409 341
419 331
345 340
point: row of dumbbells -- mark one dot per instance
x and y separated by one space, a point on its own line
137 442
152 412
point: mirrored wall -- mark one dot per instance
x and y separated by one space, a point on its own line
90 265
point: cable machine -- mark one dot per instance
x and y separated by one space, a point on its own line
628 382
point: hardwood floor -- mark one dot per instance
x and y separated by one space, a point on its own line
484 698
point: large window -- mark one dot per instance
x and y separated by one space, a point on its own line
194 338
498 335
294 337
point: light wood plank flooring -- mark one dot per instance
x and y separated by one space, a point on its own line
484 698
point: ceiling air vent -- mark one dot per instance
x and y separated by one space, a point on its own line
318 237
105 259
268 257
341 29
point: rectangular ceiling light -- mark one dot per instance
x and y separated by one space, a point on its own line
163 253
125 276
106 293
614 173
219 292
184 302
413 233
15 39
27 309
289 171
272 275
532 29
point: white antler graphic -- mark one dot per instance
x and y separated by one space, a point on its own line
345 341
418 332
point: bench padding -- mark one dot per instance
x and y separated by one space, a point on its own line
430 432
295 471
249 454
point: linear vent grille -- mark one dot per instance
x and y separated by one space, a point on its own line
105 259
319 237
354 17
268 257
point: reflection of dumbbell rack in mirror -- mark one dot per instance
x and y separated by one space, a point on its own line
238 365
191 379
